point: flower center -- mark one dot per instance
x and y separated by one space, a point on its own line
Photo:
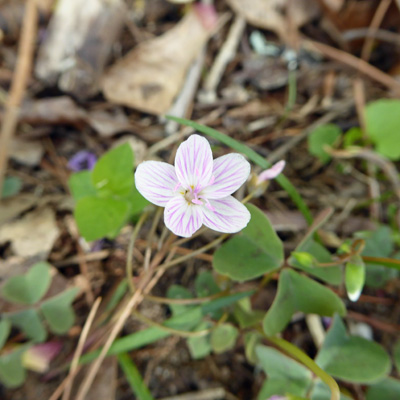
191 195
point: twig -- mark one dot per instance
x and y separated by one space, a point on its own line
207 394
375 23
79 348
379 34
356 63
19 83
225 55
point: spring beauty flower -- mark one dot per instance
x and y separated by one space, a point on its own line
197 190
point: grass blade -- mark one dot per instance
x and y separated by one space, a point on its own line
134 378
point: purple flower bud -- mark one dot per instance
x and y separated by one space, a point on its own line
272 172
82 160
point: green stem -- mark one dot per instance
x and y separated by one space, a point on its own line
129 259
309 363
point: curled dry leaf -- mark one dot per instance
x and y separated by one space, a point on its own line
32 234
272 14
151 75
26 152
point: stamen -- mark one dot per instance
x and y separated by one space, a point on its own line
212 180
178 185
197 201
209 206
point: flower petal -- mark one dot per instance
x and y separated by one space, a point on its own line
194 162
229 172
229 215
183 218
156 180
272 172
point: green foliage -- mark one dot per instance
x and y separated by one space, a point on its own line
252 253
285 375
352 358
134 378
200 346
28 288
29 322
106 197
396 355
322 137
223 338
382 118
378 243
12 373
387 389
58 311
245 316
354 277
11 186
299 293
307 257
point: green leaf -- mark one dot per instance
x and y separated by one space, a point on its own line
299 293
253 156
396 355
11 186
382 119
223 338
134 378
352 358
320 138
388 389
28 288
205 284
81 185
98 217
58 311
5 328
199 346
251 340
113 173
244 314
378 243
254 252
319 254
352 137
179 292
136 201
30 323
321 391
12 373
285 375
355 277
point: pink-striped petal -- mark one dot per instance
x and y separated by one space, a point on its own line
194 162
229 173
229 215
272 172
156 180
183 218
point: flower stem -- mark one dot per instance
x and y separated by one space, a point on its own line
308 362
129 259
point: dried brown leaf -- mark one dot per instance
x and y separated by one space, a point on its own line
151 75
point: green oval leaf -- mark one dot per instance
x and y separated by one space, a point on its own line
223 338
58 311
11 186
28 288
319 138
254 252
5 328
388 389
30 323
113 173
382 119
352 358
81 185
299 293
12 373
98 217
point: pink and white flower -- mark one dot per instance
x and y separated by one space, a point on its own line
197 190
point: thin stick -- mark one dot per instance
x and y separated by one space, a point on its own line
356 63
19 83
79 348
376 22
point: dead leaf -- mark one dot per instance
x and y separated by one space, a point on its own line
33 234
151 75
11 208
107 124
26 152
272 15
